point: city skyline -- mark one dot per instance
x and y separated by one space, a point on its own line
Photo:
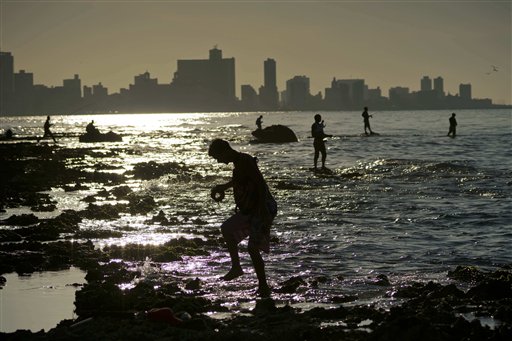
110 42
209 85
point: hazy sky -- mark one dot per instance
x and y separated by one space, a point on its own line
387 43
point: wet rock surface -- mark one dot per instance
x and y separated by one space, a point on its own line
171 307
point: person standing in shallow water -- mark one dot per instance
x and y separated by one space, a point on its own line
47 131
259 122
317 131
366 119
453 125
254 212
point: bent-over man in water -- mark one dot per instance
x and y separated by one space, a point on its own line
254 212
453 125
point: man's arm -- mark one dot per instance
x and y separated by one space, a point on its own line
224 187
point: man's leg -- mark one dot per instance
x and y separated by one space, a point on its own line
236 269
317 153
235 229
324 154
259 267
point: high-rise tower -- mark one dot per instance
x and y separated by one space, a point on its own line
6 82
426 83
269 97
439 86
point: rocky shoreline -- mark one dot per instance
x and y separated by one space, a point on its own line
168 307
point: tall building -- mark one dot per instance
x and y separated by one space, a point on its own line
269 97
205 83
355 91
249 97
426 84
270 76
337 96
99 90
465 91
23 92
6 82
372 94
297 93
73 88
439 86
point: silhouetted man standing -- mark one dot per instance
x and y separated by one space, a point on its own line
366 118
47 131
317 131
259 121
255 210
453 125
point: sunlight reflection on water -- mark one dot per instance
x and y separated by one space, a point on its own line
409 205
38 301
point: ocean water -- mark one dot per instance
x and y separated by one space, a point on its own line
410 203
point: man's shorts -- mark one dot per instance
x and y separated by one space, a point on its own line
240 226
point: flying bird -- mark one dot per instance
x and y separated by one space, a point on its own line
494 68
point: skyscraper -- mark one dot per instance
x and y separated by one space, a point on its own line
269 96
6 82
439 86
426 83
23 92
297 93
465 91
270 74
205 84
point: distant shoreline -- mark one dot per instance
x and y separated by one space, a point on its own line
494 107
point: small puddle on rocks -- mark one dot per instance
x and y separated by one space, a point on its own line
39 301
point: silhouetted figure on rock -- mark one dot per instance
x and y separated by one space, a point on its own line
259 121
91 129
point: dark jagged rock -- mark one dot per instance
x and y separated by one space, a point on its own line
9 236
380 280
275 134
100 137
491 289
291 285
21 220
193 284
466 273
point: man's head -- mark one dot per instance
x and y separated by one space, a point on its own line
453 114
318 118
220 150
